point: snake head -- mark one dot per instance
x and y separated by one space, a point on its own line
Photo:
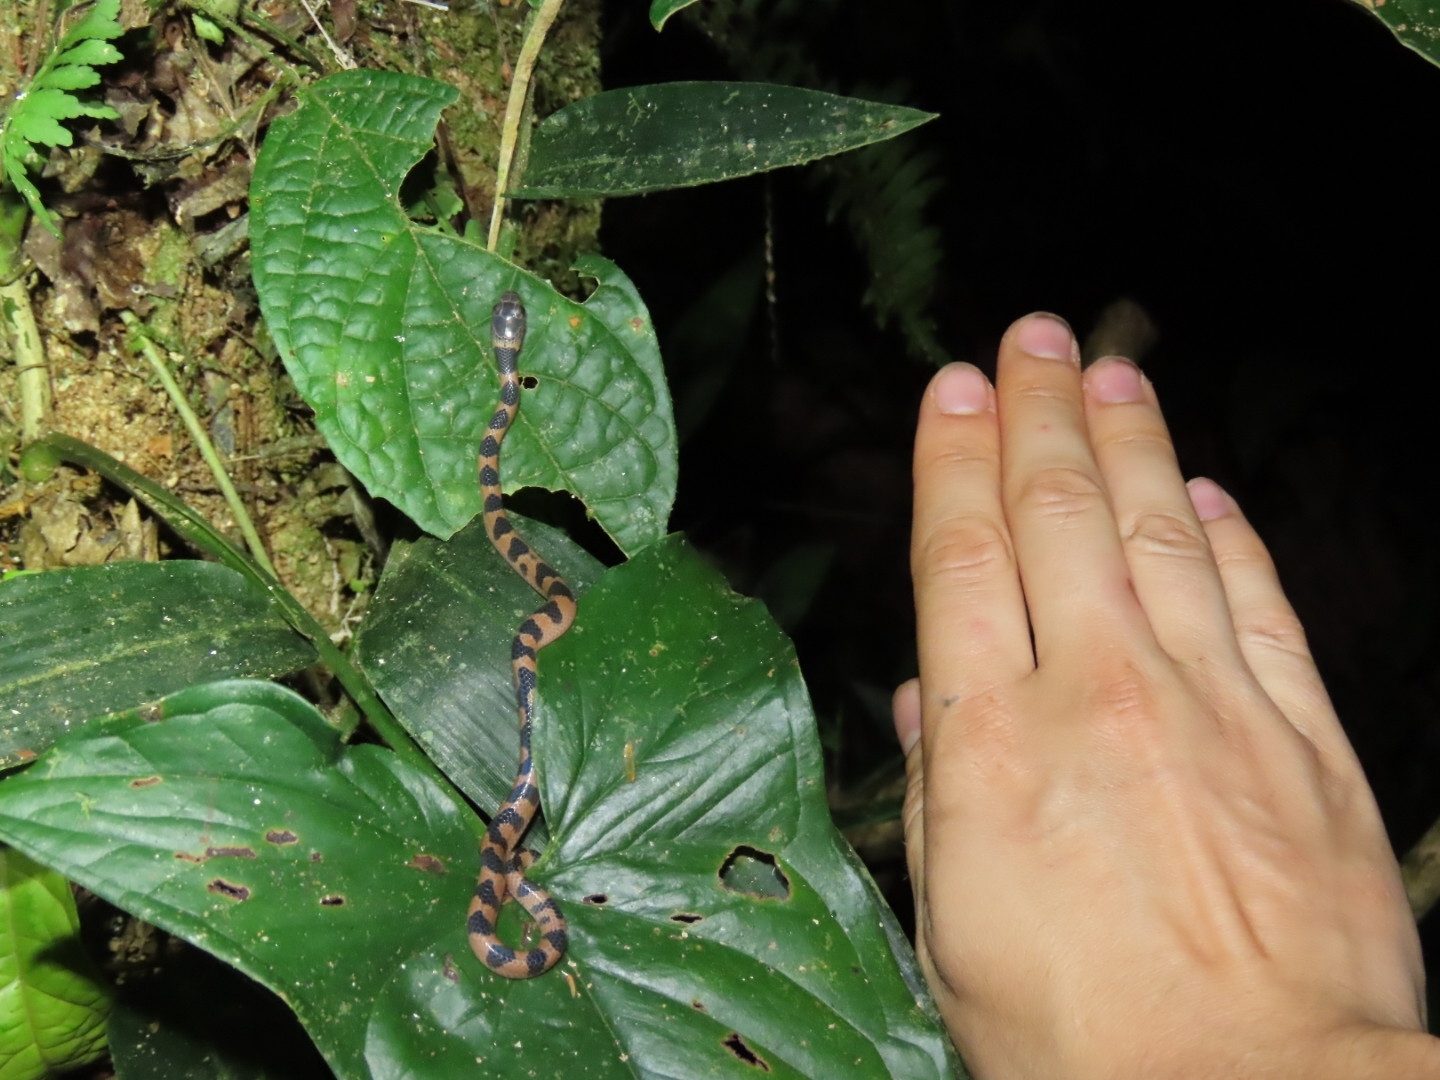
507 322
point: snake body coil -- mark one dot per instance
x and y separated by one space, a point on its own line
503 861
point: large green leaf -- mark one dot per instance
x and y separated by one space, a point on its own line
78 643
239 824
717 920
1415 22
52 1010
650 138
385 327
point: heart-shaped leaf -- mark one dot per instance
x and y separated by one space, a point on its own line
719 925
384 324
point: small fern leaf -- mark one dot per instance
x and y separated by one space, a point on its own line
35 117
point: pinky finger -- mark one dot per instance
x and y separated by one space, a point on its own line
1267 629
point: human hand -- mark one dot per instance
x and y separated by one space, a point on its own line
1143 847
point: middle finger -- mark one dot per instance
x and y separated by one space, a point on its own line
1072 566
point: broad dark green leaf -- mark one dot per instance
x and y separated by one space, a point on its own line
240 824
1415 22
52 1008
385 327
436 644
650 138
79 643
717 920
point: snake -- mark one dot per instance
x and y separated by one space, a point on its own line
503 861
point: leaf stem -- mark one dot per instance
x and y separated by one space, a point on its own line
32 370
539 25
201 440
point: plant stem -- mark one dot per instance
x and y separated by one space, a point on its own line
202 442
33 372
539 25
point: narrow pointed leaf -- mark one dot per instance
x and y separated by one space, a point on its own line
661 10
385 327
1416 23
78 643
650 138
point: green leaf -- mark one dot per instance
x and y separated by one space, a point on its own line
238 823
385 327
661 10
79 643
1415 22
101 21
52 1011
717 920
650 138
32 118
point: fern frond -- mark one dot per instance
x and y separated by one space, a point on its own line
884 193
34 118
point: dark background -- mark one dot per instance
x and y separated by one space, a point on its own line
1255 178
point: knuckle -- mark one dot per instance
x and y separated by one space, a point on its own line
961 550
1275 631
1122 703
1162 532
1059 491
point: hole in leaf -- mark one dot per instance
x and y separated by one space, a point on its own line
596 899
736 1045
755 873
332 901
689 918
228 889
529 382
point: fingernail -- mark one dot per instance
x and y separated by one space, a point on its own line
960 390
1210 499
1114 380
1047 336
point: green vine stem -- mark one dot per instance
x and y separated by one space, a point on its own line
192 527
539 26
33 373
18 318
201 441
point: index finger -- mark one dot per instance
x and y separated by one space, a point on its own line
970 613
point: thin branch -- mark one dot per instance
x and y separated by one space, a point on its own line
201 441
539 25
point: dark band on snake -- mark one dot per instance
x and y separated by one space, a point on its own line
503 861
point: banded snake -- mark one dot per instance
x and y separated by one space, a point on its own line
503 861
